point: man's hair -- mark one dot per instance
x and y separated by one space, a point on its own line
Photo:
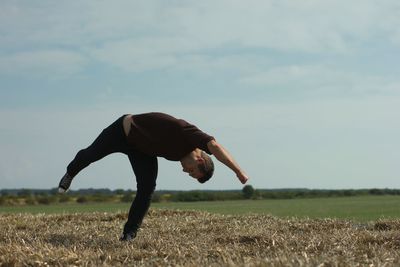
207 168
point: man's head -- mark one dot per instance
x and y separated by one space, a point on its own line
206 168
198 165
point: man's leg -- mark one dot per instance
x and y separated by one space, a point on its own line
112 139
145 168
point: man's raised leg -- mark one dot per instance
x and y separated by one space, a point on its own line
111 139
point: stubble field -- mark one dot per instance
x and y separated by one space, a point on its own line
194 238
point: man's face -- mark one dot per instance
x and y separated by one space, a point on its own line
192 169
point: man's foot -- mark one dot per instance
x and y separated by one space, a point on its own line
65 183
127 236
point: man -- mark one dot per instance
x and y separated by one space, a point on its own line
143 138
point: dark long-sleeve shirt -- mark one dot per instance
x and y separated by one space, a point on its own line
161 135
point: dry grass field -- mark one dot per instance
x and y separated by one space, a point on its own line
185 238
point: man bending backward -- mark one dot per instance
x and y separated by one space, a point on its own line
143 138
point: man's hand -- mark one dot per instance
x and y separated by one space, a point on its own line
242 177
223 156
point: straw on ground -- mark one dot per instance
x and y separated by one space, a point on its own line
195 239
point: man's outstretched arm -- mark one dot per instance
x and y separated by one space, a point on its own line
223 156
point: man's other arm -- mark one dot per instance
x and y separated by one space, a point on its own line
223 156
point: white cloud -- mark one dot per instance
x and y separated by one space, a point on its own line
389 24
193 28
139 35
174 53
47 63
143 54
73 23
312 26
340 142
316 47
322 80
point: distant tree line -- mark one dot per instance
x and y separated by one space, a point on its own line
33 196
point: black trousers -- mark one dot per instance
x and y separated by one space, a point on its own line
111 140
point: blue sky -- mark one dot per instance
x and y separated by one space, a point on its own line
302 93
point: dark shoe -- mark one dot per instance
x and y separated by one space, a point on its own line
127 236
65 183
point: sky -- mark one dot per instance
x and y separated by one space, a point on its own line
303 94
